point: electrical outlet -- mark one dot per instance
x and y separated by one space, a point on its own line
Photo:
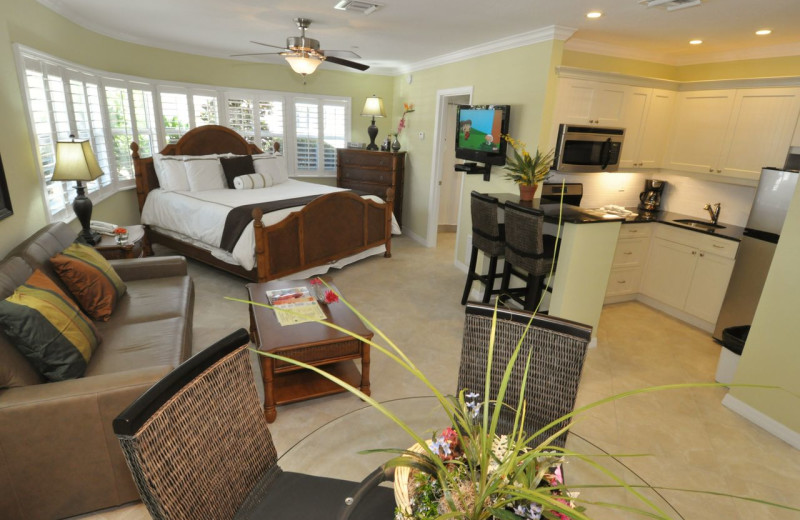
422 136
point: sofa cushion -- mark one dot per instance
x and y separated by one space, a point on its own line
90 278
13 273
154 299
236 166
146 344
48 328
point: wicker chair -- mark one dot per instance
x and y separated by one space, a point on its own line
487 236
529 250
559 349
199 448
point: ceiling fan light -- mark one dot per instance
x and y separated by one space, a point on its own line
303 64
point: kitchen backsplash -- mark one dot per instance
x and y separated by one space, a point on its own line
683 194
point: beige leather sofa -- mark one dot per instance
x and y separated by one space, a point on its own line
58 454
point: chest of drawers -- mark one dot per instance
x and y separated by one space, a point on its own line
373 172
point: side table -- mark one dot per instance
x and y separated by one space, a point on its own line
133 248
312 343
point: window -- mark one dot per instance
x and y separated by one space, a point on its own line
113 111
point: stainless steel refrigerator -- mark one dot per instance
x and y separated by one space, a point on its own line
754 257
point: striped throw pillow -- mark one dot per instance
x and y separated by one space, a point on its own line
252 181
90 278
46 326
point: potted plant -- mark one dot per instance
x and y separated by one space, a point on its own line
525 169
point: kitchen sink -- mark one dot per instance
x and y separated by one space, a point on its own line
699 224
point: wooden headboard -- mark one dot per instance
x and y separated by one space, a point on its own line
203 140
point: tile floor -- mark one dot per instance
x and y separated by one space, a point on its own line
692 440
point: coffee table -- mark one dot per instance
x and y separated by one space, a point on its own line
313 343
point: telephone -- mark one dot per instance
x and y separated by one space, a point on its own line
104 228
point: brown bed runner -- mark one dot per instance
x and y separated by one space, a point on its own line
240 217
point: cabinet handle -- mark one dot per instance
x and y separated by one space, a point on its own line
633 231
620 281
718 247
702 254
719 171
627 253
694 252
711 170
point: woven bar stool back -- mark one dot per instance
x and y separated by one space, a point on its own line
558 349
487 236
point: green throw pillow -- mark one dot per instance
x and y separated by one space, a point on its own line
46 326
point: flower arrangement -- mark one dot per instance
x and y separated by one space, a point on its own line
525 169
120 231
121 235
321 292
407 109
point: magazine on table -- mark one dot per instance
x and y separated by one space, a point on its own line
298 300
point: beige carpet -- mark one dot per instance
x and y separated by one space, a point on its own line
693 441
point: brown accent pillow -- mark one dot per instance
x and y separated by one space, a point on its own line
90 278
235 166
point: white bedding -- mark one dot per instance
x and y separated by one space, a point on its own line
200 215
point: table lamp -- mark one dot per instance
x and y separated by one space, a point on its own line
373 106
75 161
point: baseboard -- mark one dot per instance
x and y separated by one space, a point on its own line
676 313
416 238
763 421
619 298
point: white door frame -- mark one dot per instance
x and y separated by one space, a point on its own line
436 166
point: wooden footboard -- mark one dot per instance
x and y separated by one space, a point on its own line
329 228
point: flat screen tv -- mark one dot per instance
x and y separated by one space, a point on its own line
478 129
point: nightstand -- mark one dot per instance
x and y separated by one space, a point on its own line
133 248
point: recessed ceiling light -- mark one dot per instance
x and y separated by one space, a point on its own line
695 42
594 14
763 32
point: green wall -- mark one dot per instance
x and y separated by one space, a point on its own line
29 23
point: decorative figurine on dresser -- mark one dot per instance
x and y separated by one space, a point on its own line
372 172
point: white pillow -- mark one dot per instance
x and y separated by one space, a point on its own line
173 172
205 173
252 181
272 165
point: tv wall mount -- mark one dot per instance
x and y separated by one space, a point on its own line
472 168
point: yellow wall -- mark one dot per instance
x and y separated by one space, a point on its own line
647 69
761 68
28 23
772 352
521 77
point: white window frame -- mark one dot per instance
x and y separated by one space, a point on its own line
99 191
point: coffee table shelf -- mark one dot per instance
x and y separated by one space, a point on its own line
313 343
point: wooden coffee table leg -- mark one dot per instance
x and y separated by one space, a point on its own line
365 368
267 375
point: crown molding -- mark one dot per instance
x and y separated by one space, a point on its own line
545 34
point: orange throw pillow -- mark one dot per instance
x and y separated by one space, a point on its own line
90 278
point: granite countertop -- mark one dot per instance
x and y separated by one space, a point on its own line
577 215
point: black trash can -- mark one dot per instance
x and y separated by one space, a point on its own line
733 338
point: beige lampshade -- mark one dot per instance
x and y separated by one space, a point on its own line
373 107
303 64
75 161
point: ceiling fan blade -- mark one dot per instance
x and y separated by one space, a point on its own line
346 63
253 54
342 54
269 45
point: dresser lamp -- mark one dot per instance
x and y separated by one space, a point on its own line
75 161
373 106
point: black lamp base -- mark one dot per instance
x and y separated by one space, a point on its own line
82 206
372 131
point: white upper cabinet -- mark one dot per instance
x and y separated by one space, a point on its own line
760 131
698 130
583 102
796 138
733 133
646 119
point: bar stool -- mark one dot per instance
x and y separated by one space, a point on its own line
528 249
487 236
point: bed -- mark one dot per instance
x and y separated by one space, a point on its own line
334 229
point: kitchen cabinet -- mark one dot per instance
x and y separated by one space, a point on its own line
796 138
733 133
584 102
629 259
688 271
646 119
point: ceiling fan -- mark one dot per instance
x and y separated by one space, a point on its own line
304 54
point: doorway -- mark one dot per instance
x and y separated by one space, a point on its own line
446 182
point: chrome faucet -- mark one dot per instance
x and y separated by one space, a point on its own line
713 210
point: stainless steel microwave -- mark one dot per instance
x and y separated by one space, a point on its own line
588 148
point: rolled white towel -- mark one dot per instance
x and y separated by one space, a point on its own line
251 181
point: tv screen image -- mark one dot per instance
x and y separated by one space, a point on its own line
480 129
